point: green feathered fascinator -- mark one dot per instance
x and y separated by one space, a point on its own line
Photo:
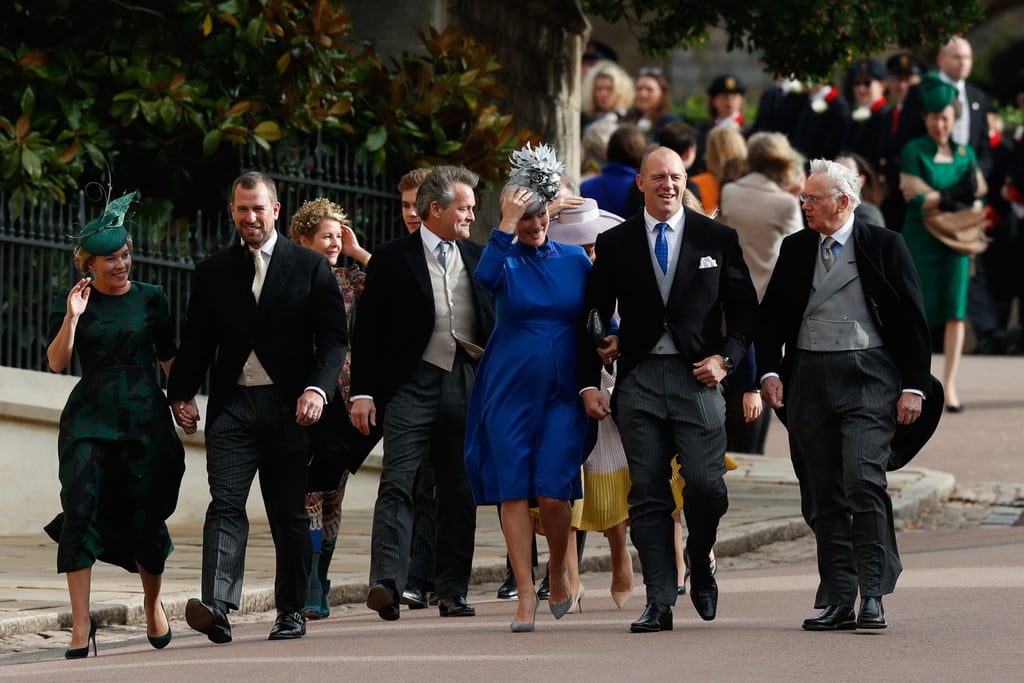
106 234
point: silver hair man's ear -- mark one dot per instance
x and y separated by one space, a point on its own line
538 170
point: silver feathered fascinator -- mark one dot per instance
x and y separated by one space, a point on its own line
538 170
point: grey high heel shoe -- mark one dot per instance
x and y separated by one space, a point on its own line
560 609
527 626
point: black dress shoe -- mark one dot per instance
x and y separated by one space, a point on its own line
210 620
509 590
656 617
415 598
544 590
705 599
871 613
832 618
455 607
384 601
289 625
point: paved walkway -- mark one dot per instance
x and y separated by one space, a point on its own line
764 507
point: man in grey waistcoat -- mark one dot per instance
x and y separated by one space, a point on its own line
687 310
845 302
421 327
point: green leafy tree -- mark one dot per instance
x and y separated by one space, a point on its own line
162 92
803 37
438 107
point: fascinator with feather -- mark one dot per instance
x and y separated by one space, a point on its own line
106 234
537 169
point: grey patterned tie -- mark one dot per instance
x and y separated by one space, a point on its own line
828 257
444 250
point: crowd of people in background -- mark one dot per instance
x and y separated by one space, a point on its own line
863 120
479 367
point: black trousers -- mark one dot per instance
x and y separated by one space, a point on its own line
256 432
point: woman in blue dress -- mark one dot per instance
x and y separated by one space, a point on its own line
526 427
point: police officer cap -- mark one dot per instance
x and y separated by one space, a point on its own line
868 68
106 234
725 83
905 64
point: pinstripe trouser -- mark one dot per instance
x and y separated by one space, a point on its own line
841 410
256 432
662 410
426 421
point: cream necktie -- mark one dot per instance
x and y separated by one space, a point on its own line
261 273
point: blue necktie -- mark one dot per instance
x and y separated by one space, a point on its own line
661 247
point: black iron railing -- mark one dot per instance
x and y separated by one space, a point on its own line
36 253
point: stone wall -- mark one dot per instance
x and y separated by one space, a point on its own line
30 407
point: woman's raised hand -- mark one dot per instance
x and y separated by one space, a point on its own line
514 202
350 246
78 297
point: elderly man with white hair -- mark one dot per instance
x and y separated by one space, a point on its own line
845 302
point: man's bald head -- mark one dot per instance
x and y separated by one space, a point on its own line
662 179
956 58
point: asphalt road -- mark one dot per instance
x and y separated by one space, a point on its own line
955 616
984 443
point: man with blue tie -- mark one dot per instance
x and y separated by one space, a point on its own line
674 276
844 301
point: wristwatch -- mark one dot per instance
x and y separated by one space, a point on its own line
729 365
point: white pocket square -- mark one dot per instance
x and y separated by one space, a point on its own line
707 262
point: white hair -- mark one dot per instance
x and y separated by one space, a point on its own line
840 178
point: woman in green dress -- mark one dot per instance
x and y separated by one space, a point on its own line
939 175
120 459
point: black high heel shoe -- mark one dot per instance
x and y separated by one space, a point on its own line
160 642
83 652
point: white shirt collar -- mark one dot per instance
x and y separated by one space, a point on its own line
430 239
842 235
675 221
959 85
267 248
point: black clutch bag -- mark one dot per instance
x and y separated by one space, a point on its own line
596 329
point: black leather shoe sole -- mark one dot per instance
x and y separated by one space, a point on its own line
649 627
287 634
830 620
383 602
288 629
202 618
446 611
812 625
414 599
644 625
872 624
